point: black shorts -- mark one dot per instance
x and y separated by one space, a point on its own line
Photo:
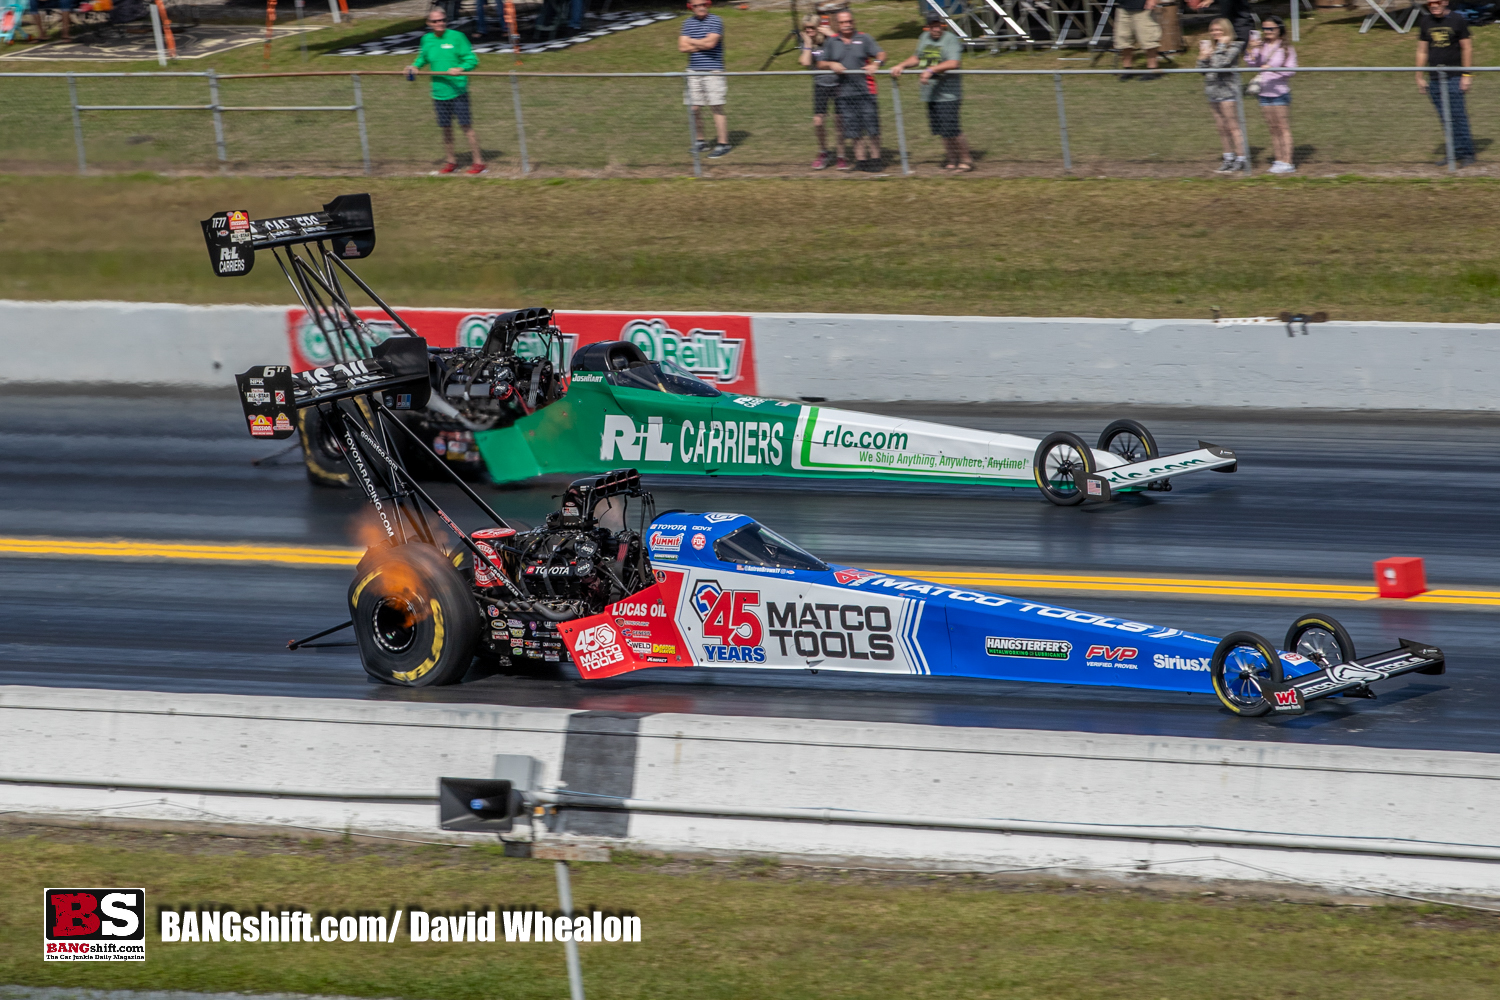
822 97
942 118
448 110
858 116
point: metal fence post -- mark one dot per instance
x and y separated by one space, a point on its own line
1239 110
515 94
1447 118
213 99
1296 20
1062 123
359 115
83 166
161 47
900 125
692 132
570 946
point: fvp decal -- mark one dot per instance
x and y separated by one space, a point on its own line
1112 656
727 618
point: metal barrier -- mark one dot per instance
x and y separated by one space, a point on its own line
1034 122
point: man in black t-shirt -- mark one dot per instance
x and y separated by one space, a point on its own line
1444 41
1239 13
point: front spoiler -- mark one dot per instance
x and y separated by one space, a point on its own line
1104 484
1291 698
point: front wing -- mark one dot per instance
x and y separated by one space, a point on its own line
1291 697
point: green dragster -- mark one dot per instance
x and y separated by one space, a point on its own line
622 409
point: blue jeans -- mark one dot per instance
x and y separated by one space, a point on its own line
1463 142
575 15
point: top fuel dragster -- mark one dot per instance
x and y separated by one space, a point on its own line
511 404
615 593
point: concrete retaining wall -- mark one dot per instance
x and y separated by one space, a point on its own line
335 764
1342 365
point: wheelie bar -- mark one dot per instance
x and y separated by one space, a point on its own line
1291 697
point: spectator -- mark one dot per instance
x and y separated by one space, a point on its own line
824 86
938 53
1268 48
848 53
1136 28
702 38
1220 51
449 54
1444 41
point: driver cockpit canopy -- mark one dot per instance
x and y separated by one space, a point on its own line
625 365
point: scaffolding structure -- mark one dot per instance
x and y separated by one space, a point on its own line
1027 24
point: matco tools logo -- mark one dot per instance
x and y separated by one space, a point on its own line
709 354
94 925
597 648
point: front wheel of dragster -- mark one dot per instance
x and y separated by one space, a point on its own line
415 620
1320 638
1060 462
1130 440
326 465
1244 664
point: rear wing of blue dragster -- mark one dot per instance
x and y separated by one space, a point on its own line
347 223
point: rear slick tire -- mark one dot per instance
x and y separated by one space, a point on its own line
415 620
1058 466
1243 665
321 454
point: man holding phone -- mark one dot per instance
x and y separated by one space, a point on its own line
1444 40
450 55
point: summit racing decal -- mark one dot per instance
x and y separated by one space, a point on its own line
727 617
666 544
1040 649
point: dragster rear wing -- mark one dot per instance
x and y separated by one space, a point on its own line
347 223
271 394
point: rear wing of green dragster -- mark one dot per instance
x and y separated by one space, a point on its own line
347 223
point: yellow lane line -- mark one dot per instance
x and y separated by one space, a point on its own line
302 555
120 548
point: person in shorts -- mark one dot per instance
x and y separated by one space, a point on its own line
1270 52
702 38
855 56
1221 50
1136 28
939 52
825 86
449 54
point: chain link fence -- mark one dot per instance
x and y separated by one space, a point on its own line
1018 122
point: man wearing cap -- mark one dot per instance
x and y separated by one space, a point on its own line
449 54
1444 41
939 52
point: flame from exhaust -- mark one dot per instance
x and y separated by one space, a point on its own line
397 577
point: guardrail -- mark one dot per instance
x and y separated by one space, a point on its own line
1019 121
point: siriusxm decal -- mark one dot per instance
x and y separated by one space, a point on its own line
709 354
1163 662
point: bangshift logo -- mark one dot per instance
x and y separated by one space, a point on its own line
94 925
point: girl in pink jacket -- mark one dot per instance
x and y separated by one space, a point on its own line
1269 49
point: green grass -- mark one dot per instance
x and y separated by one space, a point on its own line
1359 249
1378 124
750 930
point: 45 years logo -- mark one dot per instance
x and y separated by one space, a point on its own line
735 632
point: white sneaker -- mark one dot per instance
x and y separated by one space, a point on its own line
1282 167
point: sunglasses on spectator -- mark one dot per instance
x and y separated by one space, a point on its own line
1269 27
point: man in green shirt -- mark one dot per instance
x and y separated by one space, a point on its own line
449 54
939 51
